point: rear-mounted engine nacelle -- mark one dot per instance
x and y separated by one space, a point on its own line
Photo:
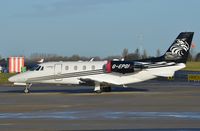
122 67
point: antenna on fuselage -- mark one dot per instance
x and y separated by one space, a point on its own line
92 59
41 61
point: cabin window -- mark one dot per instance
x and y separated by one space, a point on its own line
75 67
84 67
66 67
93 67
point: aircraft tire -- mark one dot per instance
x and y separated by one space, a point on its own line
106 89
26 91
98 92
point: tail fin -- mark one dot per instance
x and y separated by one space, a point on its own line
179 50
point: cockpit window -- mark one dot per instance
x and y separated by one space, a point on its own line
38 68
34 68
42 68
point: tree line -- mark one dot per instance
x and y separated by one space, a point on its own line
125 55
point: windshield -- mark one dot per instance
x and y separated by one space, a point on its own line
35 68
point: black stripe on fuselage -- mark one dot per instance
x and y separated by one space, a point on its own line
67 75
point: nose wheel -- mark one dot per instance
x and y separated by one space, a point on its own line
26 90
28 86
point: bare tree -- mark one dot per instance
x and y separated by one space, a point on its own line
125 53
144 55
74 58
132 56
137 54
190 58
158 52
112 57
197 58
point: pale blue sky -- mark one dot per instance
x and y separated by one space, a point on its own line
94 27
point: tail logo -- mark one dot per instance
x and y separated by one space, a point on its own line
178 49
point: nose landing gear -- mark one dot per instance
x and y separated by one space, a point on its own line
28 86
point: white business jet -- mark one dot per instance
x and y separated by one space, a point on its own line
104 74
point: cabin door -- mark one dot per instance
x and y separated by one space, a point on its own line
58 72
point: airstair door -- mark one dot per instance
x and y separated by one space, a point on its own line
58 72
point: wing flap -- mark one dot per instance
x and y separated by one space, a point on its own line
90 80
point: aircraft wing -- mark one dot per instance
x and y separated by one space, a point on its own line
109 79
91 81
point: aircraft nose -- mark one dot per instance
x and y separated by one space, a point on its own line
17 78
12 79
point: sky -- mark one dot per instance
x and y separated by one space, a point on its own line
94 27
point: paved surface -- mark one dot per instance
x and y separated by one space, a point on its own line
153 105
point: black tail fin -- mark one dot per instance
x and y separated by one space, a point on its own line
179 50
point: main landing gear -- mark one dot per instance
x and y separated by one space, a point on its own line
98 89
106 89
28 86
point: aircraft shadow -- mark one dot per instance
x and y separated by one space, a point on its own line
152 129
74 91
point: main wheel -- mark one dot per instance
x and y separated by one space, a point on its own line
106 89
98 91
